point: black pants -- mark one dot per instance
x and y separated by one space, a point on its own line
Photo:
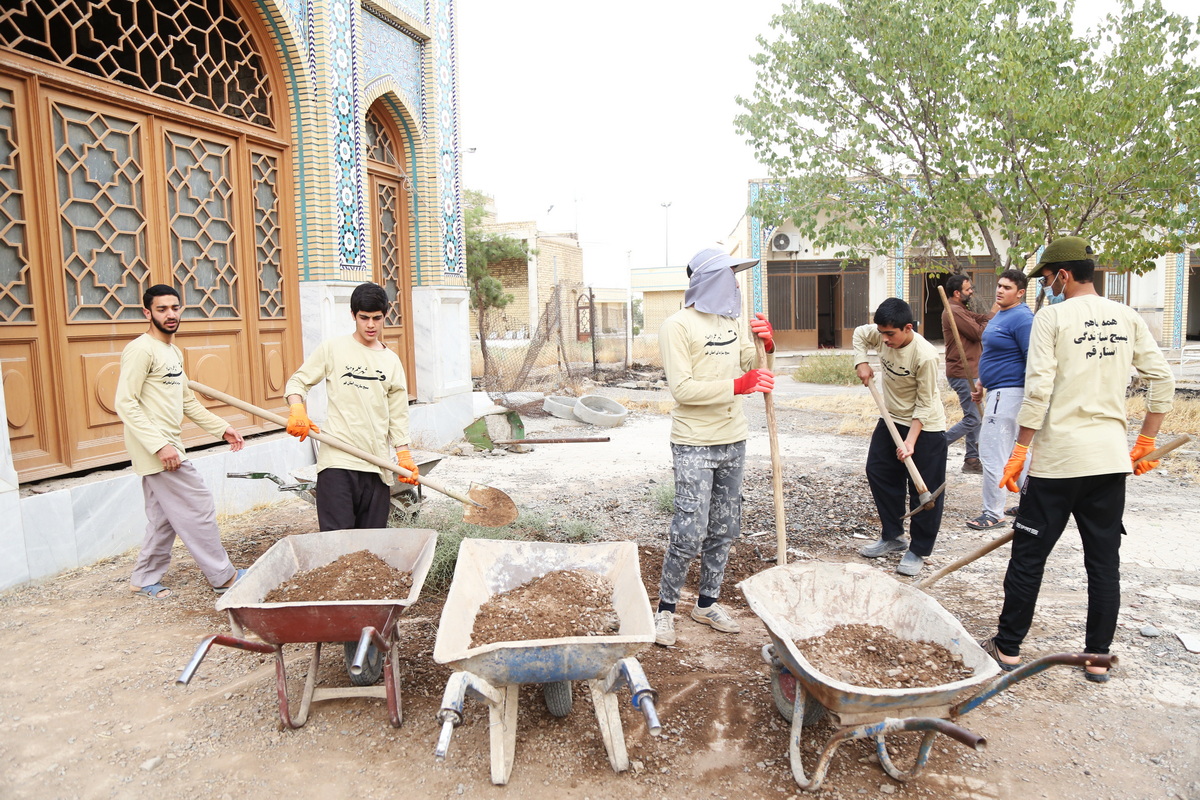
1097 502
348 499
891 484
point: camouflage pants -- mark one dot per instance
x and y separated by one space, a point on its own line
708 515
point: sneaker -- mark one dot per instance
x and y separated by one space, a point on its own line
911 564
989 647
716 617
984 522
883 547
973 465
664 628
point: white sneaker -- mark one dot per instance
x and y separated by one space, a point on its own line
717 617
664 628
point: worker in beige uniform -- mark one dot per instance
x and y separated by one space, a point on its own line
910 367
1072 428
709 363
152 399
368 408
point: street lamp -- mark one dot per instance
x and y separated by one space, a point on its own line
666 232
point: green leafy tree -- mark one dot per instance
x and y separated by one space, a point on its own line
965 124
485 250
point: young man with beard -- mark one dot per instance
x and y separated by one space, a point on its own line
152 398
959 365
910 393
709 363
368 408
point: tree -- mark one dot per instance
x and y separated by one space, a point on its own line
485 250
961 124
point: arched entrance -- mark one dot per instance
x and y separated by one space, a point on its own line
139 144
390 211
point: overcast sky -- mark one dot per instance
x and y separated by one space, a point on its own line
589 116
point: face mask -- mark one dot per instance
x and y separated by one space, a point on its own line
1052 296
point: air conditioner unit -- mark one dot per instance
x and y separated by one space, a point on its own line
785 243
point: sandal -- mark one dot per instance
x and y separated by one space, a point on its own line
154 592
237 576
1095 677
989 647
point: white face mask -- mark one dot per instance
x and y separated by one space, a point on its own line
1051 295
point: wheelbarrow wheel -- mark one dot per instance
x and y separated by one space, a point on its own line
783 692
372 667
558 697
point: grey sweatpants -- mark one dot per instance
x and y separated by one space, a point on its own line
1000 429
708 515
178 503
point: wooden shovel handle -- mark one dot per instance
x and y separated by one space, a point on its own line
1159 452
332 441
958 343
776 462
891 426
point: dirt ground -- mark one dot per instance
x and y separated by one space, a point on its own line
89 707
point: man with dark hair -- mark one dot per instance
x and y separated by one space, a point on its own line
959 365
709 362
910 393
1002 374
152 399
368 408
1073 419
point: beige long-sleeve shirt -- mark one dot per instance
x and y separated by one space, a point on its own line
153 398
702 354
910 378
1081 352
368 401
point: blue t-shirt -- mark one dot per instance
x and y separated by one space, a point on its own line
1005 348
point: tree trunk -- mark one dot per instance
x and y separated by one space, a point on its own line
483 350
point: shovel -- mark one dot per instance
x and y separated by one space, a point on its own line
1005 538
483 505
924 496
776 464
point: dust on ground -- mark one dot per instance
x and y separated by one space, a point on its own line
89 708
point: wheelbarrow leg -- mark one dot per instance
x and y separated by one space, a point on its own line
794 748
502 729
885 758
608 715
310 683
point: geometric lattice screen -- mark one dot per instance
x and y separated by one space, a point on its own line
198 52
16 304
390 251
264 173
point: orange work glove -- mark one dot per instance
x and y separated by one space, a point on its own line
756 380
299 424
763 330
1144 445
405 460
1012 470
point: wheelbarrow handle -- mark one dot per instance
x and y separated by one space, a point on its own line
332 441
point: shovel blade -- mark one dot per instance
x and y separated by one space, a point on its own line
495 509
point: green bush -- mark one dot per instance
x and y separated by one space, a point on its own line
837 370
662 495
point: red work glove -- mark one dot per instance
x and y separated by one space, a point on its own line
763 330
1012 470
756 380
405 460
299 424
1144 445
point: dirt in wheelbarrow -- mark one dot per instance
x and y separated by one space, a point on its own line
355 576
562 603
868 655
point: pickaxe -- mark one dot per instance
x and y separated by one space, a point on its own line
925 497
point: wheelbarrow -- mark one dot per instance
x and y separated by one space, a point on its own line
494 672
800 601
405 497
371 624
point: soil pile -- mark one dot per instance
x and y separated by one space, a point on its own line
568 602
354 576
868 655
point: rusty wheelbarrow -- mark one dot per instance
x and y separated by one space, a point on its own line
800 601
371 624
495 672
